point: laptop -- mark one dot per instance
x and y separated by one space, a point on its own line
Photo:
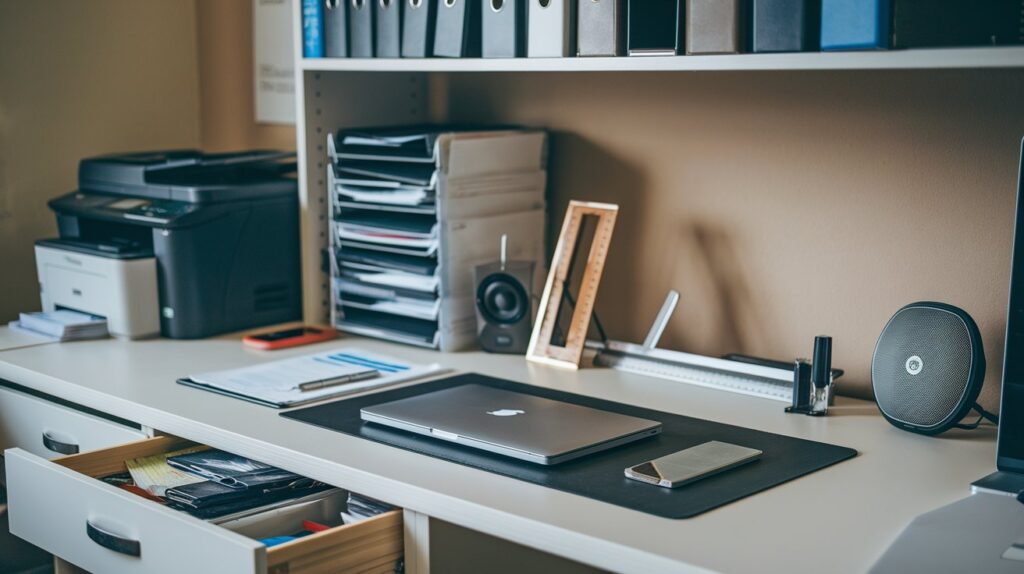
517 425
1009 478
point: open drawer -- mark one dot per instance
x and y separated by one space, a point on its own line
60 506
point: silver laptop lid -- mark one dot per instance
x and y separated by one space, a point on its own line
513 420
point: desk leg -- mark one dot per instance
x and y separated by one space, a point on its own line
417 542
62 567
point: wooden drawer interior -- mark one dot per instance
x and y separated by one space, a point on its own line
371 545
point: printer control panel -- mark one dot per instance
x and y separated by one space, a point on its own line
138 209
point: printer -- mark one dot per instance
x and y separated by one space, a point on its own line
178 243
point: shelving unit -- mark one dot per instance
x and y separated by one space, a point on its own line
333 93
945 58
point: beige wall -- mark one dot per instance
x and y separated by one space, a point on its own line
226 80
783 205
80 79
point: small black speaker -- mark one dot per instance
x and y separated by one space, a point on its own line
928 368
504 306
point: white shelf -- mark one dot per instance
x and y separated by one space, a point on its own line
944 58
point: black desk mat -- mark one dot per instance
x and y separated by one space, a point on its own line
600 476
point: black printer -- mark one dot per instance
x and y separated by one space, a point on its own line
219 231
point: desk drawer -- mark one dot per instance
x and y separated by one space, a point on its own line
60 506
49 430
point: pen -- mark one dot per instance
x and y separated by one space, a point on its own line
316 385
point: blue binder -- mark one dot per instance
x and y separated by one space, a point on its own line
312 29
856 24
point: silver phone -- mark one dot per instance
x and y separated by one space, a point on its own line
692 464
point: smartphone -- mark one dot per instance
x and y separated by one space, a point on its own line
289 338
692 464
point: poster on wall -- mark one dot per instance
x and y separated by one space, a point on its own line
273 61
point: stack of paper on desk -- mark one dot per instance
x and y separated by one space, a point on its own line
414 210
279 383
63 325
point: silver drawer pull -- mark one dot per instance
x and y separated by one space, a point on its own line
58 446
111 541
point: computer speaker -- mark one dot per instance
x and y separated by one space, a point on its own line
928 368
504 306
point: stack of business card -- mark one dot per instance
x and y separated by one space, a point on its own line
63 325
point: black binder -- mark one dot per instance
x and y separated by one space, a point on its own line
655 27
457 29
336 28
786 25
418 28
389 28
360 22
945 23
504 28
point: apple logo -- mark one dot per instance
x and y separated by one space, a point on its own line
506 412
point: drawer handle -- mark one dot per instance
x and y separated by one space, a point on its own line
58 446
111 541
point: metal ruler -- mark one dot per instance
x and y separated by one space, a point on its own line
542 348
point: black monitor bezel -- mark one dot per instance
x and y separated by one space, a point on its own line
1004 460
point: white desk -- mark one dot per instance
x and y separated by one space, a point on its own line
839 519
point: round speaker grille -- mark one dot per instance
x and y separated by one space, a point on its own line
502 299
922 365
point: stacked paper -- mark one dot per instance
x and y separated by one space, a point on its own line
63 325
414 210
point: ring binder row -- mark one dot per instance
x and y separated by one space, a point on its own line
414 210
564 28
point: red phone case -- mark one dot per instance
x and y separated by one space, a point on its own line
323 334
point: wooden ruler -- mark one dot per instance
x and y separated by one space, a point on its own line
542 349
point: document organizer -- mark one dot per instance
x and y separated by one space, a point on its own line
403 252
388 25
418 28
336 28
601 27
457 29
503 28
551 28
360 21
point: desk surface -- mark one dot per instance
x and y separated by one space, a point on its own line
842 517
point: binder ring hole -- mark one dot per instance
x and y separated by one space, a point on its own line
544 3
449 3
497 5
385 4
332 4
415 3
358 4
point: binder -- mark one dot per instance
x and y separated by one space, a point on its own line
336 28
388 22
654 27
457 29
360 27
312 29
406 276
855 24
601 27
716 26
418 28
551 28
786 25
946 23
503 32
